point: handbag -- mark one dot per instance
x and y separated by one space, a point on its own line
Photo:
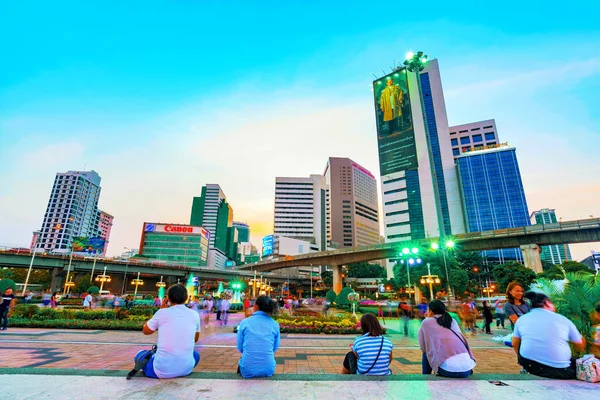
588 368
353 361
463 342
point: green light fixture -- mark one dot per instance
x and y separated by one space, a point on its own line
406 250
450 244
435 246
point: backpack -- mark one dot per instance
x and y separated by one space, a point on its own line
588 368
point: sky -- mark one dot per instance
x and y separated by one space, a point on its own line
162 97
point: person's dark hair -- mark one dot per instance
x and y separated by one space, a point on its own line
54 294
484 303
439 308
370 325
177 294
509 288
264 304
537 299
598 307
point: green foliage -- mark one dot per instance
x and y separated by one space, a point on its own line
391 284
459 280
93 290
327 277
467 260
149 297
574 266
82 283
513 271
575 300
342 298
330 296
77 324
7 283
366 270
37 276
553 273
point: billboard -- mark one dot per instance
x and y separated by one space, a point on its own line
267 247
175 228
395 130
92 245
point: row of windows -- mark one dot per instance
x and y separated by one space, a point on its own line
398 224
400 235
394 180
367 216
395 191
389 203
396 213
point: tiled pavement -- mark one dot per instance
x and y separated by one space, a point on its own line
299 354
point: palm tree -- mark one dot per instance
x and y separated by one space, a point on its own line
575 298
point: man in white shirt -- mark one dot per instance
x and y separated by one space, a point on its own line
178 329
87 302
224 308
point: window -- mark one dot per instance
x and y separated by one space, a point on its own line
491 143
465 140
455 152
394 180
487 127
477 138
395 191
453 133
466 130
454 142
490 136
475 129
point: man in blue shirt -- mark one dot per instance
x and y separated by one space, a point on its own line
258 339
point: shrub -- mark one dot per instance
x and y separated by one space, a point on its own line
93 290
149 297
76 324
342 298
7 283
330 296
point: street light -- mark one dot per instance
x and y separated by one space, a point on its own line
137 282
430 280
406 252
448 245
161 283
103 278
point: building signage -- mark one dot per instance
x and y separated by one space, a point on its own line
267 248
395 130
175 228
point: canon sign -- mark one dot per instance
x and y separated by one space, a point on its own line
179 229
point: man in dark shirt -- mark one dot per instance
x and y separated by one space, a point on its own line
5 305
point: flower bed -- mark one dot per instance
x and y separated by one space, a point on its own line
311 324
128 325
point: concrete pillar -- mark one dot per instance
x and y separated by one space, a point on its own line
337 278
54 283
531 255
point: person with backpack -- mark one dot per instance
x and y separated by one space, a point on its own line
445 349
372 352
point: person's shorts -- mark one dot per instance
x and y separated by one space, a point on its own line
149 368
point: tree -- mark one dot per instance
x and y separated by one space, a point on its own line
459 280
468 259
37 276
93 290
390 284
574 266
82 283
327 277
330 296
7 283
555 273
513 271
365 270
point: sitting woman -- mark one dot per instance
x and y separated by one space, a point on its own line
445 349
258 340
541 340
373 351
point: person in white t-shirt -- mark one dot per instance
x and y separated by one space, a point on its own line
178 329
87 302
224 308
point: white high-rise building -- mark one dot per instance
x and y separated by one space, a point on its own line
421 196
302 209
473 136
72 211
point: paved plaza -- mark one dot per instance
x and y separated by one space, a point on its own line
44 363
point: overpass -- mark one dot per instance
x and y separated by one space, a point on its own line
121 269
528 238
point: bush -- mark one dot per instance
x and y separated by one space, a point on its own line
7 283
330 296
93 290
342 298
77 324
149 297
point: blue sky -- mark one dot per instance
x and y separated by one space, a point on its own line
161 97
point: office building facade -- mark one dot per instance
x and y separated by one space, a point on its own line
302 209
556 253
72 211
354 207
421 198
493 195
205 209
175 243
105 226
473 136
243 231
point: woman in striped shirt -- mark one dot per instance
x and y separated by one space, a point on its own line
374 352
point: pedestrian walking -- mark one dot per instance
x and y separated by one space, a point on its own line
87 302
219 301
6 303
224 309
499 311
53 300
207 309
488 318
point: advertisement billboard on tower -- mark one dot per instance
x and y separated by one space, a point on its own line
395 130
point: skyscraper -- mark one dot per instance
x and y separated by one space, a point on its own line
473 136
302 209
419 183
354 208
105 226
205 209
224 222
493 194
72 211
556 253
243 231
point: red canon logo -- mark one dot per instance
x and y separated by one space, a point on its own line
184 229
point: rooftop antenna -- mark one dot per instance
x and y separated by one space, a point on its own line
383 71
374 75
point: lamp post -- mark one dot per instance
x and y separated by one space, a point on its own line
448 245
430 280
416 63
160 283
103 278
69 267
68 285
30 266
125 274
409 258
137 282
